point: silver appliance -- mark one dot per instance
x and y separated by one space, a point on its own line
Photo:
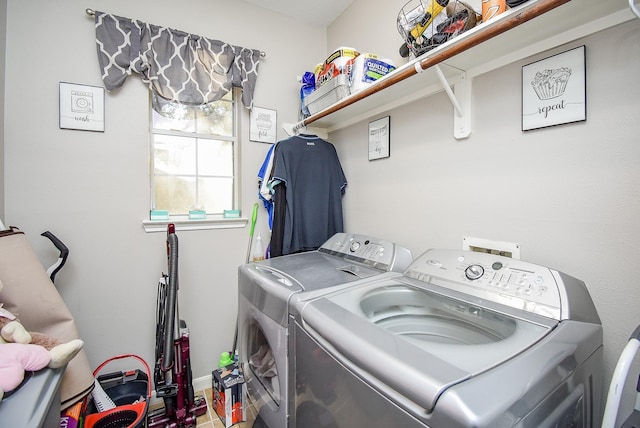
460 339
36 402
265 289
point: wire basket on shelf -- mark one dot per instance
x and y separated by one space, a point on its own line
426 24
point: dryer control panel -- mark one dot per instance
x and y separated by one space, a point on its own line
378 253
518 284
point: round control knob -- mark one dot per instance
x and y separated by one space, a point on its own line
474 272
354 246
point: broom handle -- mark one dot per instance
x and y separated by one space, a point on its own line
254 216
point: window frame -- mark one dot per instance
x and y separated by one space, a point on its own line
212 221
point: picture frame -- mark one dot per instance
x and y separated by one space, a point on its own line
263 125
81 107
380 138
554 90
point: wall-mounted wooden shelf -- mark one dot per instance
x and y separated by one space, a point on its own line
523 31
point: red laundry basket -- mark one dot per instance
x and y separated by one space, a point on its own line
125 390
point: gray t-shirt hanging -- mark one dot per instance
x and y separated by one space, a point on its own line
311 171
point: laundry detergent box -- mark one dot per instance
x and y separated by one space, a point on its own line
229 394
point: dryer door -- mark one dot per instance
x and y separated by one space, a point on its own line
262 364
263 354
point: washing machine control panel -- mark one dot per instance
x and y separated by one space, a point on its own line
367 250
512 282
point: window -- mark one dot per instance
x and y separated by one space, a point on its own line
194 157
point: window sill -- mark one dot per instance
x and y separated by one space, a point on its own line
183 224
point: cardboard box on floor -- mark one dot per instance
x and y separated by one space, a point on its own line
229 394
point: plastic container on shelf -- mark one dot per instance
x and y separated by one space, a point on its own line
331 92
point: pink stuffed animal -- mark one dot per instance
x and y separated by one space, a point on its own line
21 350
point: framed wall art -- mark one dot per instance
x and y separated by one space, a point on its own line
379 138
263 127
81 107
554 90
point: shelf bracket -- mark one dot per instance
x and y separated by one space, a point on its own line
461 101
292 129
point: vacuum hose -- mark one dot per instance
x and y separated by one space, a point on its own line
170 307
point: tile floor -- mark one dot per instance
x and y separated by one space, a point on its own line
211 420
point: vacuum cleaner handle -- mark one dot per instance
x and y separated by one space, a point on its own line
64 253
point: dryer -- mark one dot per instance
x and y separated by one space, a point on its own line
264 291
460 339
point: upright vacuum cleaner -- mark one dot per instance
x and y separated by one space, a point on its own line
172 373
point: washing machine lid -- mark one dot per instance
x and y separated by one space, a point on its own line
345 257
316 270
413 341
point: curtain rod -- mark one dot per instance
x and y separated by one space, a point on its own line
92 12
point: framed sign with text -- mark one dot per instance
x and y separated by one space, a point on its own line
379 138
263 125
554 90
81 107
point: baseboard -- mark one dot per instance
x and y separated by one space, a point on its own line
202 383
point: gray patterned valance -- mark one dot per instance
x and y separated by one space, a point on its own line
178 66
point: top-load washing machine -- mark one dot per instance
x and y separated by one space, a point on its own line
460 339
264 292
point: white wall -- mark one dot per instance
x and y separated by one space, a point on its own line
3 27
568 194
92 189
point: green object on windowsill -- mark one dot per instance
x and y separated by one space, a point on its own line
197 214
159 215
231 214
